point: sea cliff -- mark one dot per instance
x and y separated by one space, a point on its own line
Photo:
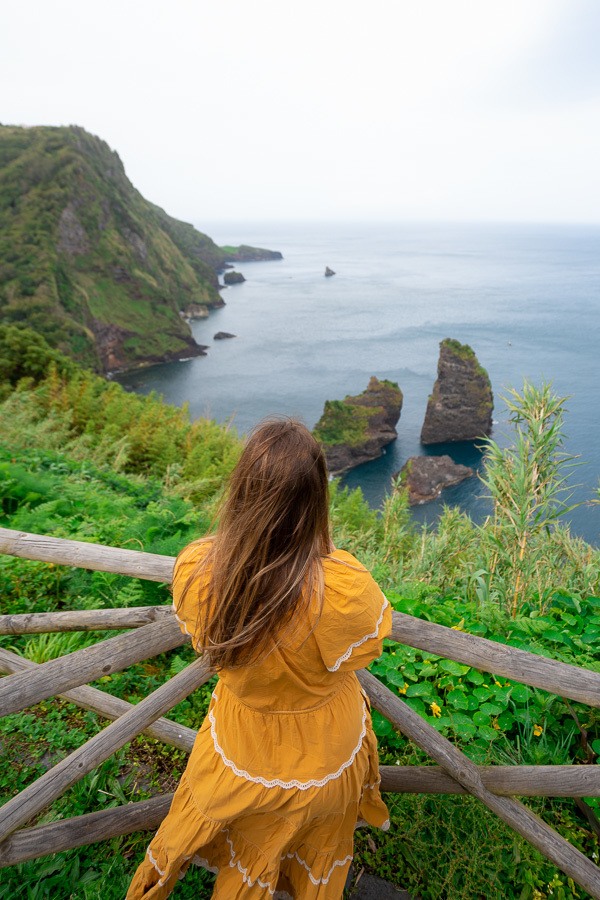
107 277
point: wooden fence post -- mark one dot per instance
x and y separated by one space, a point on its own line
458 766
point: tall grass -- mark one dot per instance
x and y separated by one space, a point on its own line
528 485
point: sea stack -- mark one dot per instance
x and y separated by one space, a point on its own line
233 278
355 430
460 407
425 477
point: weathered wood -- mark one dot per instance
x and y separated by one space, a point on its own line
110 707
83 620
59 778
63 552
556 677
66 834
520 781
529 668
112 655
458 766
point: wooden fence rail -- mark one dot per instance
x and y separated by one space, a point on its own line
110 707
154 630
572 682
83 620
67 834
72 768
104 658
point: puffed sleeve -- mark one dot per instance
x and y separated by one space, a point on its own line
355 618
186 596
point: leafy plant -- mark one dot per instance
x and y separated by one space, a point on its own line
527 483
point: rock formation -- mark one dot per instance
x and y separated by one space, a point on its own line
460 407
244 253
222 335
355 430
328 272
426 476
233 278
194 311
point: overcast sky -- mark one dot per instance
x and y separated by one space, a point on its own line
324 109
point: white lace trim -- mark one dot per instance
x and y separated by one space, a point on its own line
235 864
161 872
181 622
325 878
369 787
202 861
356 644
275 782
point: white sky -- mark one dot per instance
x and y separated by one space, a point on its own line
324 109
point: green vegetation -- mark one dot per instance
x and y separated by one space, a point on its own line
464 352
81 458
349 421
87 261
343 423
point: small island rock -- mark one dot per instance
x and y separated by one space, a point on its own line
425 477
328 272
233 278
222 335
460 407
355 430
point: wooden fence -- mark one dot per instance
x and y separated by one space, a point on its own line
154 630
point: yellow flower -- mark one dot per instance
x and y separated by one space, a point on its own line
458 627
537 730
402 690
495 724
435 709
497 683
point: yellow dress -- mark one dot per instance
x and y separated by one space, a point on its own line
285 763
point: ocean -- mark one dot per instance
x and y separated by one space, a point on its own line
526 298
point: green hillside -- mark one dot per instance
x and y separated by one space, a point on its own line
86 261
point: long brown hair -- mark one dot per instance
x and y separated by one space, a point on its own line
273 530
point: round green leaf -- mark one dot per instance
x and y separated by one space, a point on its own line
420 689
488 734
480 718
491 709
457 699
482 694
417 705
520 693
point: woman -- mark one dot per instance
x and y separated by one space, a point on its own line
286 760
